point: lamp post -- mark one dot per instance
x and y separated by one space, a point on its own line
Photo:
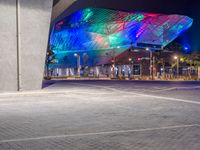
177 65
151 62
78 63
113 62
131 60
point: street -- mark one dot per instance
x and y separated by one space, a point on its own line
102 115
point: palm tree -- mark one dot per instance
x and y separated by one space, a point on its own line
192 60
50 58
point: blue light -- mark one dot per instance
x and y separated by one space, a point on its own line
186 48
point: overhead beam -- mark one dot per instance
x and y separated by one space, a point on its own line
60 7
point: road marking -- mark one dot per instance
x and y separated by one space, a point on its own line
171 99
176 88
97 86
106 88
67 91
43 91
98 133
145 95
141 88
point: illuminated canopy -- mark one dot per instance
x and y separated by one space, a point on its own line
96 29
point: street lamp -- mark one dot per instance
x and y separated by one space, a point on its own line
182 59
131 60
151 62
78 63
175 57
177 65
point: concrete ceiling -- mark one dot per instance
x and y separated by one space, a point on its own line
60 6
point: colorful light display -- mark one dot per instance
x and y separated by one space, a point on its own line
96 31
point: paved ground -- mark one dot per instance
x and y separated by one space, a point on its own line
102 115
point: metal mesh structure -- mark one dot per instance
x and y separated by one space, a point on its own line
97 30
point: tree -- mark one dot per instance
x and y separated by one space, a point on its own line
192 60
50 58
160 60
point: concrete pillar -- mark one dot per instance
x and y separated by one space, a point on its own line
33 17
24 28
8 46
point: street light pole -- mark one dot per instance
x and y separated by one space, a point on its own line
78 63
177 65
131 60
151 63
113 62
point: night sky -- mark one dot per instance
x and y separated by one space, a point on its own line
190 8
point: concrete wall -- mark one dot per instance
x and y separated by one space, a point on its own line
34 21
8 46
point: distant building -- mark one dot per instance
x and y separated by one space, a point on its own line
103 34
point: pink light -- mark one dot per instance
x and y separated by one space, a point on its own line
58 25
119 27
151 15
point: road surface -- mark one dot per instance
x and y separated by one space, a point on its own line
102 115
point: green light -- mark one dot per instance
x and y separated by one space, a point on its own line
136 17
87 14
140 18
